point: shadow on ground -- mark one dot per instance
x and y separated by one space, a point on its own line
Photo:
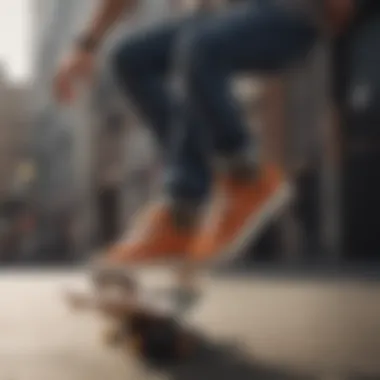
225 362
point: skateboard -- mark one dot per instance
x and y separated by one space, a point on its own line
148 323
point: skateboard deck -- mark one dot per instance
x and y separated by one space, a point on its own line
147 322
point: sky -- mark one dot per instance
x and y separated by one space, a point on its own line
15 38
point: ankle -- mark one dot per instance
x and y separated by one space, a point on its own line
184 212
241 166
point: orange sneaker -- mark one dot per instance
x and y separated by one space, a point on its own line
158 235
240 211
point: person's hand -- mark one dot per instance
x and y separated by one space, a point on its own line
77 69
339 14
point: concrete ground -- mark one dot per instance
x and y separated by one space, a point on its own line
253 329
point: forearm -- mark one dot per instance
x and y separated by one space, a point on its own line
106 16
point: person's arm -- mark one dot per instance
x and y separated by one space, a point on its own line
80 63
104 18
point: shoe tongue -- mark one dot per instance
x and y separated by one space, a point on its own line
242 173
184 212
185 216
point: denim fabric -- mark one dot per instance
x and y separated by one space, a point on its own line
199 117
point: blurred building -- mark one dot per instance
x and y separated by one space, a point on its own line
82 152
14 125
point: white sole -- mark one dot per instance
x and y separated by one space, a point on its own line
269 211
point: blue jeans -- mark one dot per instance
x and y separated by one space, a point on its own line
199 118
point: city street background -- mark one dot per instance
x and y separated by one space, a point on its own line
301 303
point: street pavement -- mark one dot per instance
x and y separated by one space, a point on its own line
250 328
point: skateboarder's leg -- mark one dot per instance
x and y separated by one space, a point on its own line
208 55
143 67
261 37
